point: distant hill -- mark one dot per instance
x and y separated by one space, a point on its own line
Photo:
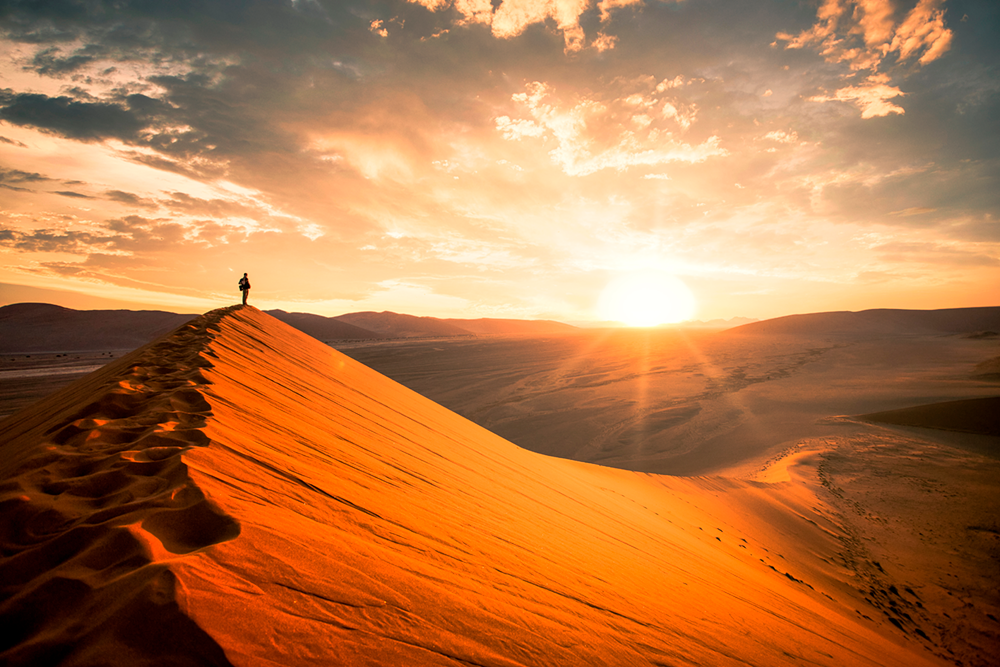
881 321
719 323
42 327
323 328
395 325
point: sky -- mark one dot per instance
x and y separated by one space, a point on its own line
513 159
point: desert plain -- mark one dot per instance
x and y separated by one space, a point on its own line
239 493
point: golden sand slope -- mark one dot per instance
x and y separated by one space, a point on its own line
240 493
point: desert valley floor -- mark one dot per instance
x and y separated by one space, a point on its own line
239 493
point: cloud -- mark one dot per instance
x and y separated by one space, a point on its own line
514 130
48 62
85 121
591 135
912 210
607 5
131 236
47 240
872 97
782 137
685 117
923 29
823 33
130 199
604 42
511 18
18 176
863 33
875 19
933 253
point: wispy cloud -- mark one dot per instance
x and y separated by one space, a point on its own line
873 97
592 134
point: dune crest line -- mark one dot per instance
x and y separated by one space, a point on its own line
97 500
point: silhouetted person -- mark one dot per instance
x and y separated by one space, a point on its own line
245 288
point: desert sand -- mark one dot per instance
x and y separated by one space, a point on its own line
27 378
239 493
686 402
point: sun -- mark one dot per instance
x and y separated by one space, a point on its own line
646 299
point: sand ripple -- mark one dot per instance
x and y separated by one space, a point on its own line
96 505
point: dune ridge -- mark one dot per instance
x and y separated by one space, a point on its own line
95 498
239 493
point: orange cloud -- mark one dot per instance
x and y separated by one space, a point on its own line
835 37
604 42
823 32
923 28
875 18
835 33
512 17
782 137
872 97
607 5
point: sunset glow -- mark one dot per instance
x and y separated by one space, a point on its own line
475 159
647 299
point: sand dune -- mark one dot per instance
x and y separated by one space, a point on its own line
881 321
977 415
26 379
238 493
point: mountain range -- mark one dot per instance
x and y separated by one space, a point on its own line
41 327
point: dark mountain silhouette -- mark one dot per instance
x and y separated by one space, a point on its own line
323 328
41 327
395 325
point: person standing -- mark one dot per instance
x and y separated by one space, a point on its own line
245 288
